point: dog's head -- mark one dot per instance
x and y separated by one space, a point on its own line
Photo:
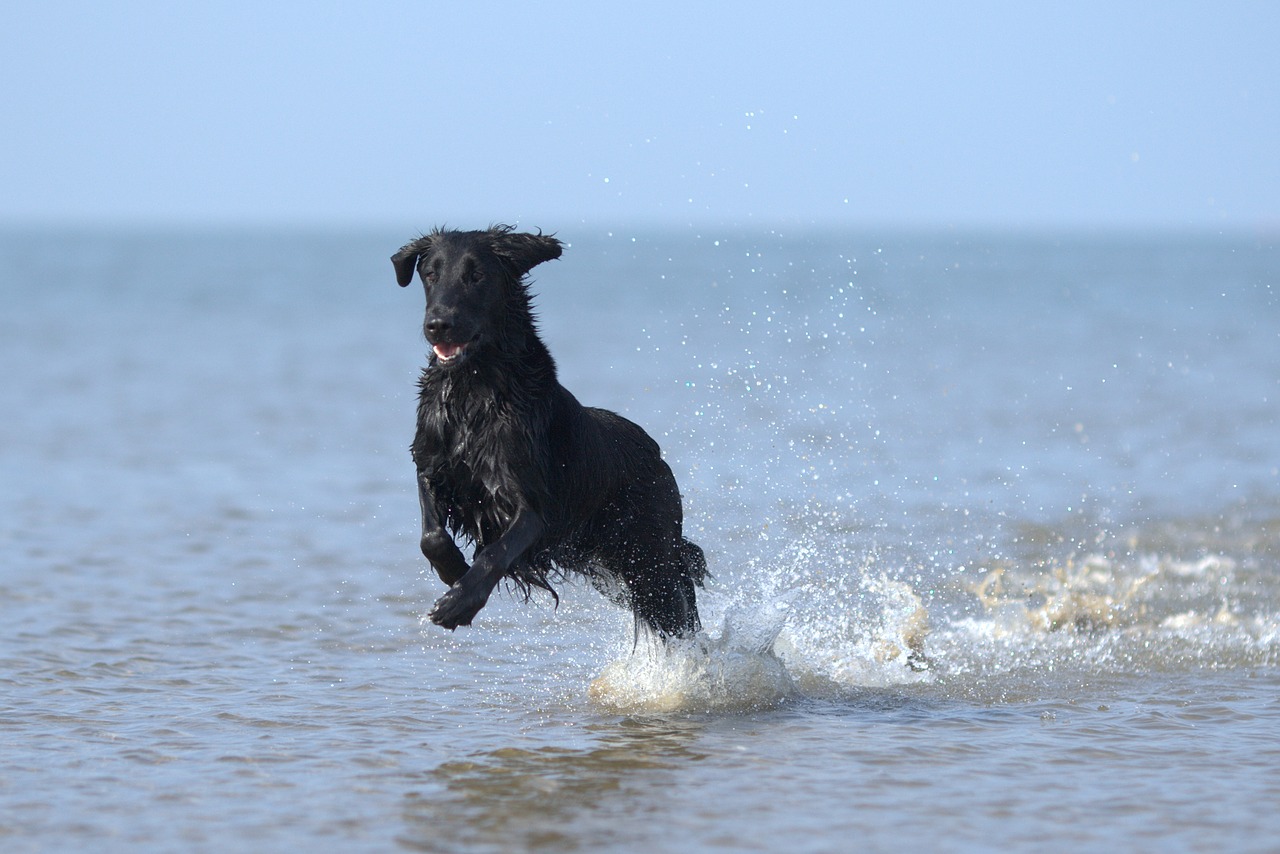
474 280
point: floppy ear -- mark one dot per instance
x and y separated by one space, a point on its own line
407 258
526 251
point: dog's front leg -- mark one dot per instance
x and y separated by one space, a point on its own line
467 596
438 547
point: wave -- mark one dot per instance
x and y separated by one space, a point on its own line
1138 614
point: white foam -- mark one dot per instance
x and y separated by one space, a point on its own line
697 675
873 639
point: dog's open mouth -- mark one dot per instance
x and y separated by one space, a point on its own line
447 353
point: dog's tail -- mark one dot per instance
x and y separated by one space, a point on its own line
695 562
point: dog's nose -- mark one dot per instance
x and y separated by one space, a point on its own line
437 328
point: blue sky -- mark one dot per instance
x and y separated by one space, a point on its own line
975 114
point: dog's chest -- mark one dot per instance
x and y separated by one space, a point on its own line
473 440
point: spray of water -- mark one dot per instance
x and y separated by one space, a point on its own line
779 639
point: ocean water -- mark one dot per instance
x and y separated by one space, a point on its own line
993 520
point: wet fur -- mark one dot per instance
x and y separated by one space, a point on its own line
509 460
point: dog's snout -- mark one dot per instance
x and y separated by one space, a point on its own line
438 328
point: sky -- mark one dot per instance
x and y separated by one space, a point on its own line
1116 115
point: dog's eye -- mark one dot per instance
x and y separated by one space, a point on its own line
475 276
429 276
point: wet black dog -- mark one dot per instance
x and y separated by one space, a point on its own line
508 458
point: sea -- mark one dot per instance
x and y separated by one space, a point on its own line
992 521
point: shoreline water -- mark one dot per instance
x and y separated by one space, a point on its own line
1063 455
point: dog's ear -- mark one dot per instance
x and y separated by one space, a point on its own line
407 259
526 251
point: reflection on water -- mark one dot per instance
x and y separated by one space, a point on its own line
554 798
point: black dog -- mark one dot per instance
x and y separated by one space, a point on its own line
510 460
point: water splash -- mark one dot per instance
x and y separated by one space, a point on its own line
872 636
832 633
1083 596
1119 613
1100 593
699 675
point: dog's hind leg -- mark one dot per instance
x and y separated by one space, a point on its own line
437 546
669 607
661 589
695 562
459 606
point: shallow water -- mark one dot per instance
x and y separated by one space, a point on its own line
994 524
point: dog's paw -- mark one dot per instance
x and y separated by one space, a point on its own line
457 607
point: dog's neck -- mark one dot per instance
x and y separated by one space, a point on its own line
514 373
